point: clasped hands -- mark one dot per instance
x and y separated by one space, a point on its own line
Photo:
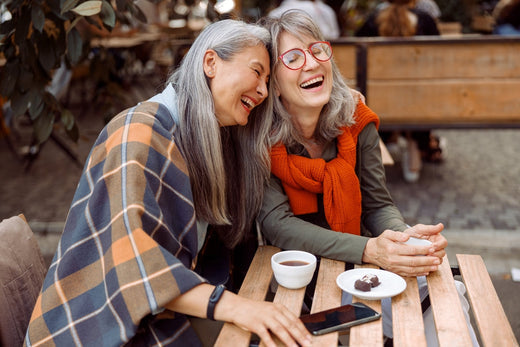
389 252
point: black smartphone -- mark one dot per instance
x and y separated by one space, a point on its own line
339 318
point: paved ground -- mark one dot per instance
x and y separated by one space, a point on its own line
475 193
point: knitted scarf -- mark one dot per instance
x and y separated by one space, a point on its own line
303 178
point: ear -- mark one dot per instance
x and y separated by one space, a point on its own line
210 62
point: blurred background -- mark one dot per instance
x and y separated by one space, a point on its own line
67 67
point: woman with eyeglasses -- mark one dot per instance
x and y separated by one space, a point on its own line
327 193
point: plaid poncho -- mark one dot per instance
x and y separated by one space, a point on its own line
128 244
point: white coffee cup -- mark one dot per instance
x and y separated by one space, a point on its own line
413 241
293 269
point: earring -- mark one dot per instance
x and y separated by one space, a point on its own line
210 73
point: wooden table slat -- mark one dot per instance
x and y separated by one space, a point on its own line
371 333
490 317
408 325
449 317
255 286
327 295
290 298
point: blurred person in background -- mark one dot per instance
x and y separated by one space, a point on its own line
507 17
321 13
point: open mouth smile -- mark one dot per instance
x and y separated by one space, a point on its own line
248 103
312 83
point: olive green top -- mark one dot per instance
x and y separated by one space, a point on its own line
283 229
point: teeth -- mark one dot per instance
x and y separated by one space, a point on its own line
309 82
248 102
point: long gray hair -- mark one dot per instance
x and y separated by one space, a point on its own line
228 166
338 112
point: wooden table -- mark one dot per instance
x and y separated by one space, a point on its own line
408 327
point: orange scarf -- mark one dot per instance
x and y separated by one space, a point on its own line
303 178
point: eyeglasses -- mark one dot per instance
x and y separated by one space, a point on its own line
296 58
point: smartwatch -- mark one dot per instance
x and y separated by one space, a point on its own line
214 299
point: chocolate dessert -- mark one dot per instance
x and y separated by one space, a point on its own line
364 286
374 281
367 282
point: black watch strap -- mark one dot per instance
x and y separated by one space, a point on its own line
214 299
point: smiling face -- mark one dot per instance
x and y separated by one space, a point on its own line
307 89
239 84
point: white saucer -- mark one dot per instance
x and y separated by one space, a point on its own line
391 284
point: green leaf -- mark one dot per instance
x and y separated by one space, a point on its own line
88 8
20 102
67 118
25 79
108 15
22 29
136 12
74 46
36 106
74 22
68 5
47 58
42 125
38 18
8 77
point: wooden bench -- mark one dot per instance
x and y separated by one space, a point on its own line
493 325
436 82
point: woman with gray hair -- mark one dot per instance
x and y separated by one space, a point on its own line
166 180
328 193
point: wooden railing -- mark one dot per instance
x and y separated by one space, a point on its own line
436 82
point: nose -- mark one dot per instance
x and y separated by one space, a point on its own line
310 61
261 89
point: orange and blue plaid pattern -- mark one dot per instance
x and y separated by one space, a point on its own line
128 244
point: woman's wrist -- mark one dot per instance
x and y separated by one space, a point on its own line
368 252
214 299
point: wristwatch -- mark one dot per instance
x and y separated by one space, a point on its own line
214 299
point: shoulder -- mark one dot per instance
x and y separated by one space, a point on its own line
142 133
363 116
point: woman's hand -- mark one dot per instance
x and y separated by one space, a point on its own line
389 252
264 319
433 234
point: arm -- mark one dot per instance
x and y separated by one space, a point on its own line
379 211
382 218
259 317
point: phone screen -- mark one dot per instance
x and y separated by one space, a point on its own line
339 318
